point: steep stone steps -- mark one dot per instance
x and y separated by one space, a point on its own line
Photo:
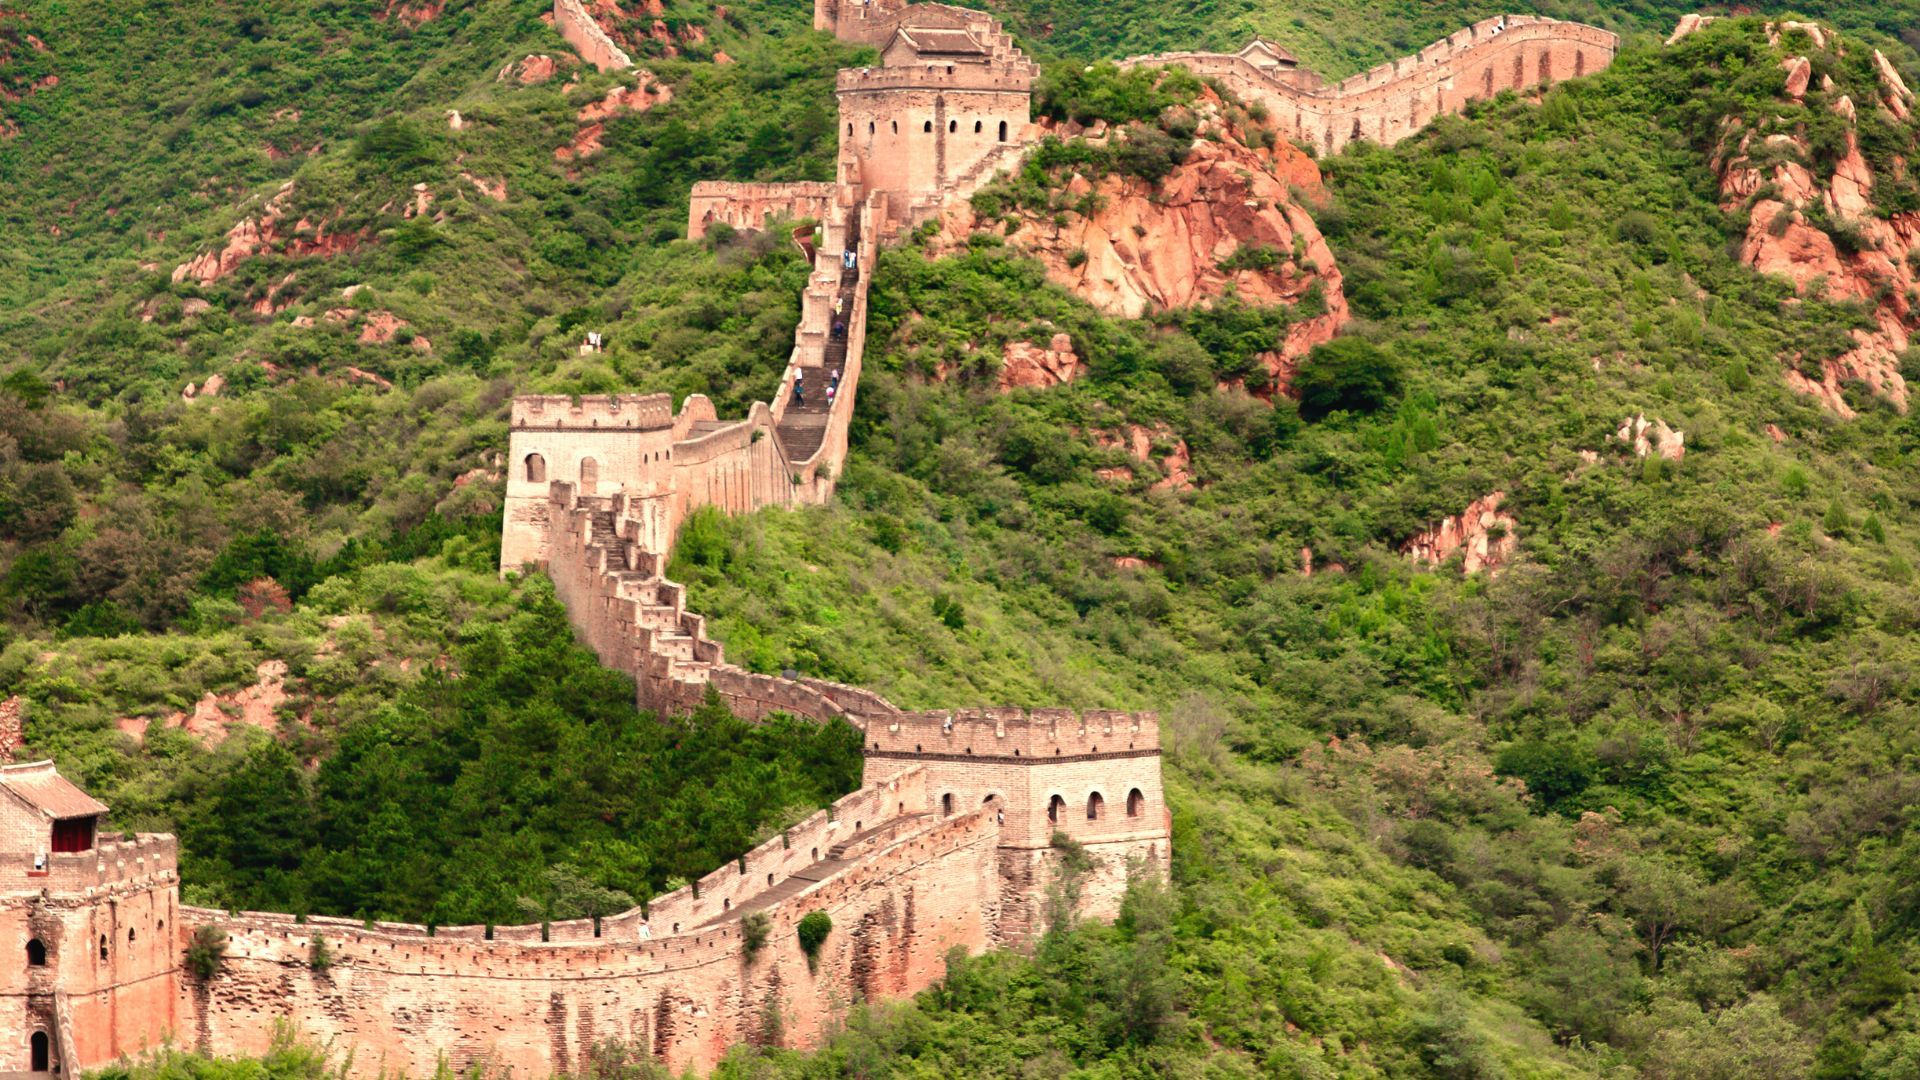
804 425
605 537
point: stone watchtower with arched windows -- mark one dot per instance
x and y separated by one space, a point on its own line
950 104
1092 777
598 444
89 942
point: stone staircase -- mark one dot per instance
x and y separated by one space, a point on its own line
804 425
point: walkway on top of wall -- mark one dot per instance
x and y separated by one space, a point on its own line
838 858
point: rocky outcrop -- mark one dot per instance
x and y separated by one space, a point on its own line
644 94
530 70
1024 364
215 716
1176 463
12 728
266 233
1649 437
411 12
1824 231
1223 221
1488 535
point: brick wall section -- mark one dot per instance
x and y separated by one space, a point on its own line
399 999
1389 102
752 206
570 17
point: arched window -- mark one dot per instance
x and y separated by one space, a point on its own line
42 1052
1136 803
946 805
589 474
849 129
953 126
1003 131
926 128
536 469
769 879
869 127
1096 807
103 946
816 854
895 125
36 953
1054 806
976 127
129 935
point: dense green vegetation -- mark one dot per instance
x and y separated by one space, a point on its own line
1638 804
1646 788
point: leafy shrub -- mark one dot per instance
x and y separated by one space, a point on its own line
319 954
1347 374
813 931
755 928
1068 90
206 952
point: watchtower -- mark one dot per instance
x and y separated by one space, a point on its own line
954 94
1092 776
599 444
89 941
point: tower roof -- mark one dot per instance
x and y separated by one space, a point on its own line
944 41
1261 49
40 786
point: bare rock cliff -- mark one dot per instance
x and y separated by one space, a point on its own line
1820 228
1161 245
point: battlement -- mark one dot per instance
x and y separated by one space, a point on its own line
1393 100
1035 736
561 412
1486 32
148 858
1009 77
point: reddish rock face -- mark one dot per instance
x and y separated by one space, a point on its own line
263 234
643 95
1488 535
1160 246
1782 240
533 69
1176 464
1029 365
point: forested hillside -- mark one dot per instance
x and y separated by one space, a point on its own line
1635 803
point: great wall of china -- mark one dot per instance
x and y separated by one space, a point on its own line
948 842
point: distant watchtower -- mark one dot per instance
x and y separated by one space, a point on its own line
89 942
1093 776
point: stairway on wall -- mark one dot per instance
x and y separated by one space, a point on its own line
803 427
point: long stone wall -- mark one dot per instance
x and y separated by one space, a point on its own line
1392 101
902 885
582 32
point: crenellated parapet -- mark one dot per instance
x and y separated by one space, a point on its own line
1393 100
1017 734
